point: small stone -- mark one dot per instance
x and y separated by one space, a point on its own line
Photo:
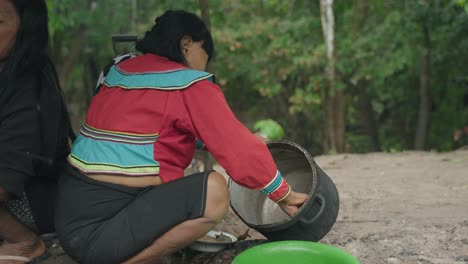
423 261
393 260
407 253
462 258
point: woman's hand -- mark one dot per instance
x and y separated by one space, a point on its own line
293 202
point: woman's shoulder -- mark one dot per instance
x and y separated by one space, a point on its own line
204 89
17 89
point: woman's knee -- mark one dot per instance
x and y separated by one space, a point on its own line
217 201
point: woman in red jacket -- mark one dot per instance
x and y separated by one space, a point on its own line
124 197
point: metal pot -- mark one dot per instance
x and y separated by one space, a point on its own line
315 217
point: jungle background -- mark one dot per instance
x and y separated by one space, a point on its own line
360 84
345 76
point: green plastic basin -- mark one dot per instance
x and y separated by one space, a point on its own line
294 252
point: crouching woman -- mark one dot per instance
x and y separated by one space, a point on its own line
125 197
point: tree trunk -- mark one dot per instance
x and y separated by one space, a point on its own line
328 34
370 121
292 6
134 15
365 100
340 121
334 99
69 62
205 12
424 88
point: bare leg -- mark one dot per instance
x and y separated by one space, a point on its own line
18 239
217 205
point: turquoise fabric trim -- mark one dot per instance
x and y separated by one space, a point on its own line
107 152
169 80
273 185
199 144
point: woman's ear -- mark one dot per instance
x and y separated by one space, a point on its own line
185 44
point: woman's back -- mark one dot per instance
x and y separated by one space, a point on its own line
137 124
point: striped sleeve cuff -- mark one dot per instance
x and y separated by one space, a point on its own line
277 189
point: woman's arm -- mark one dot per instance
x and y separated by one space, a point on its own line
244 157
19 136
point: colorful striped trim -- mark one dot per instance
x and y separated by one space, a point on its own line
274 184
149 72
102 168
166 80
99 134
284 195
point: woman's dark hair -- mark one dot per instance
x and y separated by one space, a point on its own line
29 51
28 60
164 38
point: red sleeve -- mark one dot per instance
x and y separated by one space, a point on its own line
244 157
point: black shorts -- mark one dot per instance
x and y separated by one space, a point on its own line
101 222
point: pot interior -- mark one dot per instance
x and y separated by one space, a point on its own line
297 168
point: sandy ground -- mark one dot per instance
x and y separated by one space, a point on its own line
409 207
396 208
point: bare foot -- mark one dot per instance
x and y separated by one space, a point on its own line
29 248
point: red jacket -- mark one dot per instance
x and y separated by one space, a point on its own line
147 116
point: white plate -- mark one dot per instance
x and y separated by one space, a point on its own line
205 246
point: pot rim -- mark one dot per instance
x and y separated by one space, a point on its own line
283 144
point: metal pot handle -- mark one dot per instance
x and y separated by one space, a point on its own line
322 208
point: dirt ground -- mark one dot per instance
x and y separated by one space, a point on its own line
409 207
396 208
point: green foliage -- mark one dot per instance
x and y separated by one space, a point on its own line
270 60
270 129
464 4
381 57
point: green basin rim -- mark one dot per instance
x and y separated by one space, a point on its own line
297 252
